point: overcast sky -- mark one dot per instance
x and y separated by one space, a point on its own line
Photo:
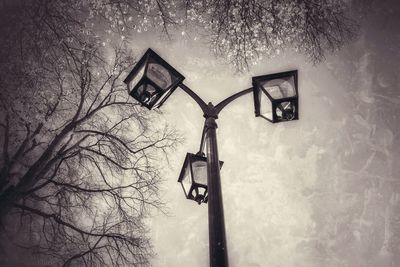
320 191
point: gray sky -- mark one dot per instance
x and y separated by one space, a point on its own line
321 191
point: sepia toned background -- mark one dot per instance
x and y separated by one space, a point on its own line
321 191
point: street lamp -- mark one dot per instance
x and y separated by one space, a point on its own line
193 177
153 80
276 96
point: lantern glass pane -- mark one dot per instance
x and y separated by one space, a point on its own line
201 190
159 75
136 79
199 193
146 94
285 111
280 88
200 172
161 99
265 106
187 180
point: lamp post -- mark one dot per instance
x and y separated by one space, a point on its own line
153 80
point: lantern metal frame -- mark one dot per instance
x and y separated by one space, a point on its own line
162 93
195 185
276 103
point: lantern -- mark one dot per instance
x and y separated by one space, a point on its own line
152 80
193 177
276 96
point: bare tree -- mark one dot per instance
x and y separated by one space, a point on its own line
243 30
78 162
78 159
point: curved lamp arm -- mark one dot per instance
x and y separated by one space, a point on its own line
228 100
209 110
204 107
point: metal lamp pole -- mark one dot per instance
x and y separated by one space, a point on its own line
216 223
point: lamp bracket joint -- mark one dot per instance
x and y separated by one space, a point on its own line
210 111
